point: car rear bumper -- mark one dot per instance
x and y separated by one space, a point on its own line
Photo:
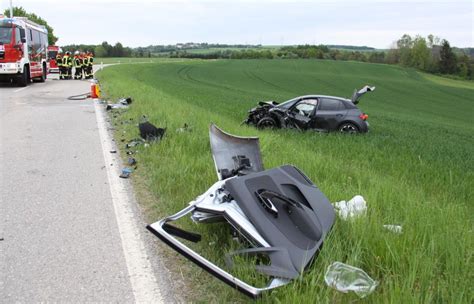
363 126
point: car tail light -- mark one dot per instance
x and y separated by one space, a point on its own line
363 116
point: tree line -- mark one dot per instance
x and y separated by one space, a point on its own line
430 54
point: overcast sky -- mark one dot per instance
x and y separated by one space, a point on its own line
375 23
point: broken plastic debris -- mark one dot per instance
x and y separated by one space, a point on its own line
134 142
185 128
394 228
125 101
132 161
148 131
121 104
345 278
126 172
111 106
353 208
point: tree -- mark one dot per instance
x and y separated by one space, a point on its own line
100 51
448 60
108 49
118 50
420 54
20 12
404 45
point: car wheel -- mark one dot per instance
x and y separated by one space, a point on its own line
24 78
266 123
348 128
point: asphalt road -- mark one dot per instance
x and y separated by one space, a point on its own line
70 230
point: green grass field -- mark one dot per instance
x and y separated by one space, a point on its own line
109 60
414 168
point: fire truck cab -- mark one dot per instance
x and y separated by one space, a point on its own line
52 64
23 46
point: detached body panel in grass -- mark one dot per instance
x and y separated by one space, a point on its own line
278 214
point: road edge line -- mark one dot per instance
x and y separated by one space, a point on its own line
143 281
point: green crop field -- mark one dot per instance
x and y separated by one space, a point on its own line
415 168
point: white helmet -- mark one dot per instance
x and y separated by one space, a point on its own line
60 51
76 53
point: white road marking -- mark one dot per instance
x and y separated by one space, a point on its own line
144 284
19 90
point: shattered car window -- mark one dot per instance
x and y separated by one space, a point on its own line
305 107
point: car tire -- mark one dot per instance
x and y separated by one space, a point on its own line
348 128
266 123
24 78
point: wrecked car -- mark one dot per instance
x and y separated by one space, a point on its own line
278 215
313 112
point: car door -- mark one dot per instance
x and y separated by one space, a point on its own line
301 114
330 113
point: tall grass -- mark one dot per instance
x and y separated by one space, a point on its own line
415 167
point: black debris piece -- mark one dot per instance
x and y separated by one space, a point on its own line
132 161
113 151
149 132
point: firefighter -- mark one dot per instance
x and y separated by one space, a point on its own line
90 63
69 65
77 65
59 63
65 66
85 65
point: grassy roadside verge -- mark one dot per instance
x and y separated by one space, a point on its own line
414 168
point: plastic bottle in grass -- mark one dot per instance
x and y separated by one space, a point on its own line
345 278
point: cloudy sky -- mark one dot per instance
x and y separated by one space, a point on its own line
375 23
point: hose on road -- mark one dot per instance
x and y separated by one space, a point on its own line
80 96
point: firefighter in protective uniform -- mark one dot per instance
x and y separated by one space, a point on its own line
85 65
90 62
59 63
77 65
67 65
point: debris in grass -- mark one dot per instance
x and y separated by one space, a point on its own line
351 209
123 103
394 228
345 278
126 100
288 233
132 161
126 172
111 106
185 128
134 142
149 132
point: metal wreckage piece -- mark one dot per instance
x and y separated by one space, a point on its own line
279 212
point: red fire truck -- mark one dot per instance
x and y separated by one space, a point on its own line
53 65
23 46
